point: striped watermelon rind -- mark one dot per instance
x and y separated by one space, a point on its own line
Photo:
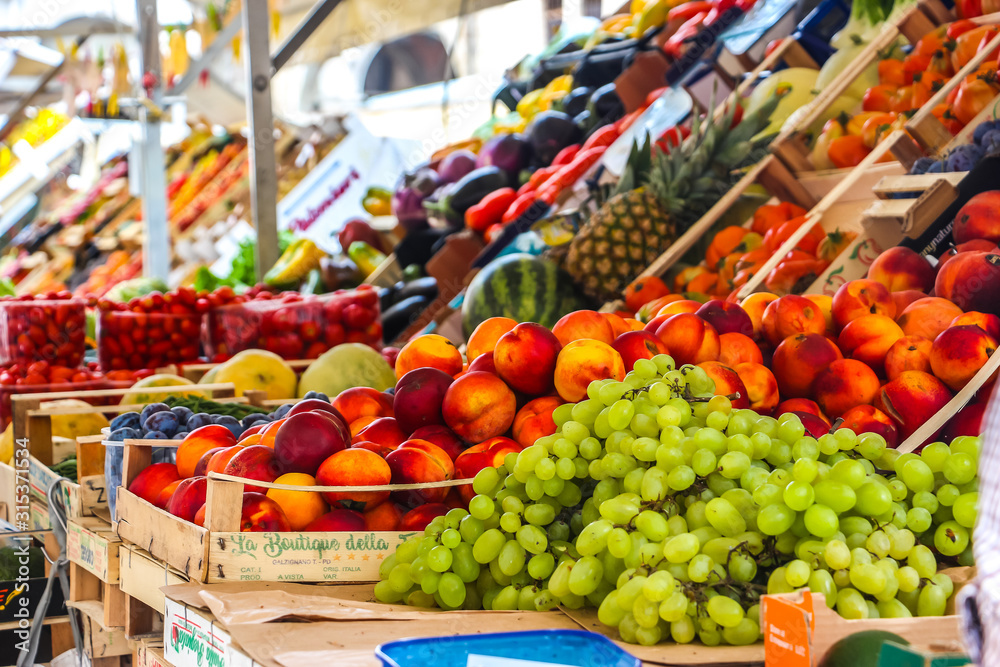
522 287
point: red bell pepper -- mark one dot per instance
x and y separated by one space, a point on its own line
604 136
675 45
566 155
490 210
689 9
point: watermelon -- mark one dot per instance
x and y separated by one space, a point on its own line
522 287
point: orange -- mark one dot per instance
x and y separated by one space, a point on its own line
301 507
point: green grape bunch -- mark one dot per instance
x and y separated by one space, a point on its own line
671 512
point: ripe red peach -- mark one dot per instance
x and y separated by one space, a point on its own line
617 322
754 306
354 467
385 431
869 419
901 268
412 465
727 383
909 353
762 388
417 400
201 468
846 383
580 363
582 324
975 245
149 483
441 456
167 493
373 447
443 437
534 420
858 298
726 317
988 322
959 352
928 317
968 421
815 426
825 304
911 399
635 345
383 517
801 406
903 299
525 357
338 521
483 363
799 359
790 315
486 335
418 517
428 351
188 498
318 405
690 339
735 348
478 406
488 454
868 339
360 402
305 440
262 515
255 462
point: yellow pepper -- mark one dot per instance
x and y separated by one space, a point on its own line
652 15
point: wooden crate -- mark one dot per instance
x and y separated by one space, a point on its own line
141 576
149 653
792 145
219 552
100 641
92 549
193 638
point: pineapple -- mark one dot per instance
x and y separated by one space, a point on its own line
658 198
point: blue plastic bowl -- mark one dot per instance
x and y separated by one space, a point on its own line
576 648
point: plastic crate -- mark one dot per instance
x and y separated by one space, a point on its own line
574 648
52 330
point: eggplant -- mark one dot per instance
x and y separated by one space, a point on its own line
426 286
468 192
509 152
576 101
407 201
400 315
387 297
605 104
584 121
549 133
456 164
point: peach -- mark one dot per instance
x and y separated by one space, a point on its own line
909 353
618 323
901 268
972 281
690 339
381 450
253 430
360 423
580 363
911 399
801 405
486 335
488 454
979 218
385 431
928 317
790 315
167 493
825 304
338 521
799 359
254 439
383 517
443 437
903 299
255 462
988 322
858 298
975 245
635 345
268 433
845 383
869 338
534 420
221 459
201 468
726 317
444 460
411 465
735 348
188 498
416 402
727 383
149 483
199 517
649 309
525 357
754 306
199 441
362 402
635 325
762 388
483 363
305 440
652 325
354 467
968 421
418 517
582 324
815 426
300 507
317 405
869 419
429 351
959 352
682 306
262 515
478 406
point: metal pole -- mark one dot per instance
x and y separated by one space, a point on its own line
263 173
156 249
302 32
217 46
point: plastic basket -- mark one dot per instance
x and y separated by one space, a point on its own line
575 648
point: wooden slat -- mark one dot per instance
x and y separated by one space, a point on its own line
178 543
914 216
914 183
105 393
142 576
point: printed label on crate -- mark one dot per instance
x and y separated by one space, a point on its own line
300 556
40 478
192 640
786 630
92 552
40 517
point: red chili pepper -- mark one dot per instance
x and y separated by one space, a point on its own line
604 136
539 176
493 232
526 187
626 121
566 155
570 174
490 210
675 44
688 9
672 138
960 27
519 206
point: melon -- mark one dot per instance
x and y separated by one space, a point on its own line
260 370
522 287
345 366
860 649
75 426
160 380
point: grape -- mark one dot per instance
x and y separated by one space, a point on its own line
799 495
797 573
873 499
918 476
726 612
724 517
951 538
681 548
821 521
775 519
959 468
922 560
838 496
851 605
932 600
585 575
850 472
964 509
